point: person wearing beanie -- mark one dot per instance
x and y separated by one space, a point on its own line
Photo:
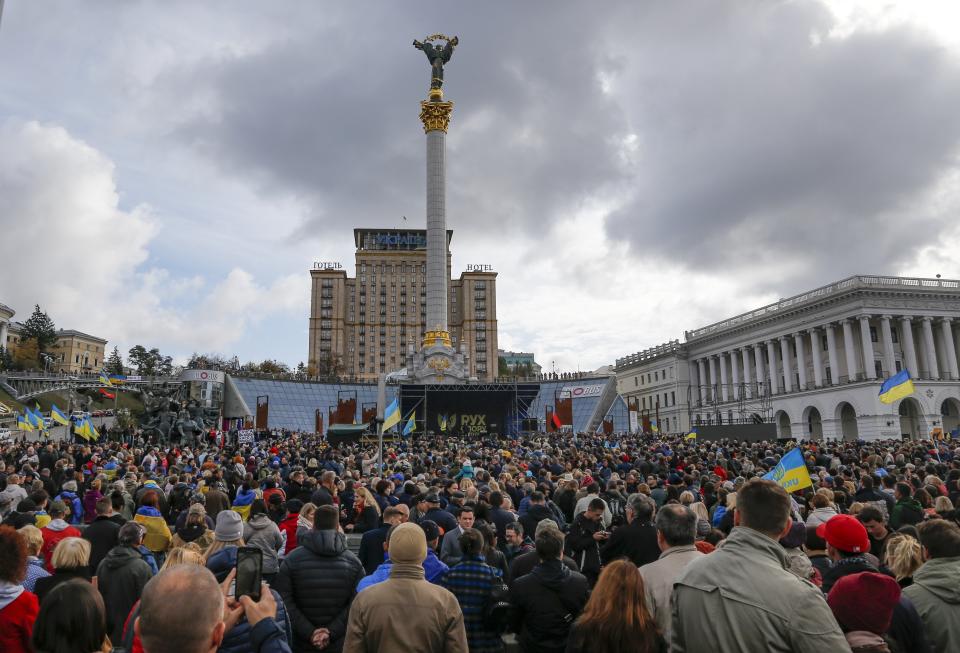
317 581
863 605
405 612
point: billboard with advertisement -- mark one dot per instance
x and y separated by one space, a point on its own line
579 391
203 376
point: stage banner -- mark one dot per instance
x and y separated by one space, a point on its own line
633 421
263 412
579 391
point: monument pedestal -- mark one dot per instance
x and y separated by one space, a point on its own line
437 361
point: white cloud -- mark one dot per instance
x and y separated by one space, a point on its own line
69 247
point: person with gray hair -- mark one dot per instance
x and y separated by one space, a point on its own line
637 540
676 533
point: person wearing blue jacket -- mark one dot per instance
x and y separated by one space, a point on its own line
68 495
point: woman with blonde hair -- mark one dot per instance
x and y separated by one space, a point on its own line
616 617
903 557
686 497
305 520
186 554
229 533
366 511
71 560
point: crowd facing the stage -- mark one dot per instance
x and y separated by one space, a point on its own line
549 543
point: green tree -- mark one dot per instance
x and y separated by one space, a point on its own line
40 327
114 363
140 358
502 368
27 354
6 359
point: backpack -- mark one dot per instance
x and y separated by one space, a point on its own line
497 608
618 509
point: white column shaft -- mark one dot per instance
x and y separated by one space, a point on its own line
930 349
817 354
772 364
851 354
951 352
724 386
889 358
909 349
869 367
747 382
713 378
437 276
702 380
735 374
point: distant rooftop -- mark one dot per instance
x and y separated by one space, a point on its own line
652 353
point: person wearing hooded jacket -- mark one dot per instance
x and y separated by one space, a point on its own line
260 531
68 495
935 591
547 600
318 581
122 576
906 510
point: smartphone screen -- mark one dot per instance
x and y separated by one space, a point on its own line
249 572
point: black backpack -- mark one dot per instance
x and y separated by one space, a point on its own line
497 608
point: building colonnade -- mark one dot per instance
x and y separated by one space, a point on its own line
874 347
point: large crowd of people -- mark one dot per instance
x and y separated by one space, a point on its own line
547 543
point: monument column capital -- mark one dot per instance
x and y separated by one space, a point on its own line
435 116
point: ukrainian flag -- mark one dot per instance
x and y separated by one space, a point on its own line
92 430
692 435
791 472
23 423
410 425
898 386
57 416
443 423
105 380
36 419
117 379
83 429
391 417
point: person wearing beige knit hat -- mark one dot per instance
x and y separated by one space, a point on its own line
406 613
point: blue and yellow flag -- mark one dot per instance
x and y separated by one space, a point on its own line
791 472
57 416
116 379
36 419
898 386
23 423
443 423
692 435
411 424
92 430
105 380
391 417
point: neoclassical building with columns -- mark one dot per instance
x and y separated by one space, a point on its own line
813 364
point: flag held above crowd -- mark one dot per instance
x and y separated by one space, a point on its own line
898 386
791 472
391 416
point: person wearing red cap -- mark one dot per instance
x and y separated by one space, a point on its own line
863 605
847 546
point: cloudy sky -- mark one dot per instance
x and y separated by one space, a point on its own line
170 170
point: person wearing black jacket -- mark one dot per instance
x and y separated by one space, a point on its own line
372 548
547 600
584 539
637 540
101 533
500 517
537 512
318 581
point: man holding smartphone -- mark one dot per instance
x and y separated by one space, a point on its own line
585 537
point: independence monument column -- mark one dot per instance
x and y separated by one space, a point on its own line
438 360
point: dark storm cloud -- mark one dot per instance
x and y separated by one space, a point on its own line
330 115
760 147
762 144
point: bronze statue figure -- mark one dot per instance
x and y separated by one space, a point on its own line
437 56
